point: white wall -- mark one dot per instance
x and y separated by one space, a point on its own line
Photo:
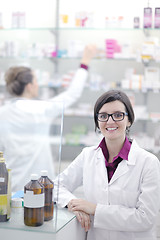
39 13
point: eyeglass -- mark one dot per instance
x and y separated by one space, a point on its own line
117 116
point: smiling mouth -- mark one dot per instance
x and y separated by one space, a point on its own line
111 129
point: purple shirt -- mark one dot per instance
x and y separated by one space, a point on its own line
122 155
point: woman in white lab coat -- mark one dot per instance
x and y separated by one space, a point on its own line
121 181
25 123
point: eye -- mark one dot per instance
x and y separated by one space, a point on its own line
118 115
102 116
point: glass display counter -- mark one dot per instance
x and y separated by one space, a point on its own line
64 226
61 218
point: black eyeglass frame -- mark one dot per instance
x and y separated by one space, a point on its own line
111 115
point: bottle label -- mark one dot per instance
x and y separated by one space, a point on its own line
32 200
2 179
3 204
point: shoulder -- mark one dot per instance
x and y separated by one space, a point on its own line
90 154
90 150
142 155
87 153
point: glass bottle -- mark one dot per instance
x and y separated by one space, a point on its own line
34 202
3 189
48 189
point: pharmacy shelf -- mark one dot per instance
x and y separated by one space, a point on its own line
27 29
85 141
105 29
39 58
65 57
80 29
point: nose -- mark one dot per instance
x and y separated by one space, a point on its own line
110 120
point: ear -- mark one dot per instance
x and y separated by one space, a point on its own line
129 124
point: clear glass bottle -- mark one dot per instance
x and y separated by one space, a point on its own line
3 189
48 189
34 202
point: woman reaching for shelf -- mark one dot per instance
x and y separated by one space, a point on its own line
121 181
25 122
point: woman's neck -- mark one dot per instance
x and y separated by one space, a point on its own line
26 95
114 147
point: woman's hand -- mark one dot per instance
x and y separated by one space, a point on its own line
82 205
89 52
82 217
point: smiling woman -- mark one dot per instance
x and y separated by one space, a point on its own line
125 200
113 129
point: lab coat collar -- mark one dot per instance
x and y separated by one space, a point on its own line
132 156
124 165
133 153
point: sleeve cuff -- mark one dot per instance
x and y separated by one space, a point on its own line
84 66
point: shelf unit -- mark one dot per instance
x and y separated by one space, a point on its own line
147 96
111 70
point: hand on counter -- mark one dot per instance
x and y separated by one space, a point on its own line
82 205
82 217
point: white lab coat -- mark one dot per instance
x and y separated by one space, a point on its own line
24 131
128 205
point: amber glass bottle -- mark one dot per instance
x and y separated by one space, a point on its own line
48 189
34 202
3 189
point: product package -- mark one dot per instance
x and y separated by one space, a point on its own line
157 18
49 196
136 22
5 190
33 202
147 17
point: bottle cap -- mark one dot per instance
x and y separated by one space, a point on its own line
17 203
34 176
44 173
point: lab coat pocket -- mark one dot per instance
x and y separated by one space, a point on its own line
128 198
